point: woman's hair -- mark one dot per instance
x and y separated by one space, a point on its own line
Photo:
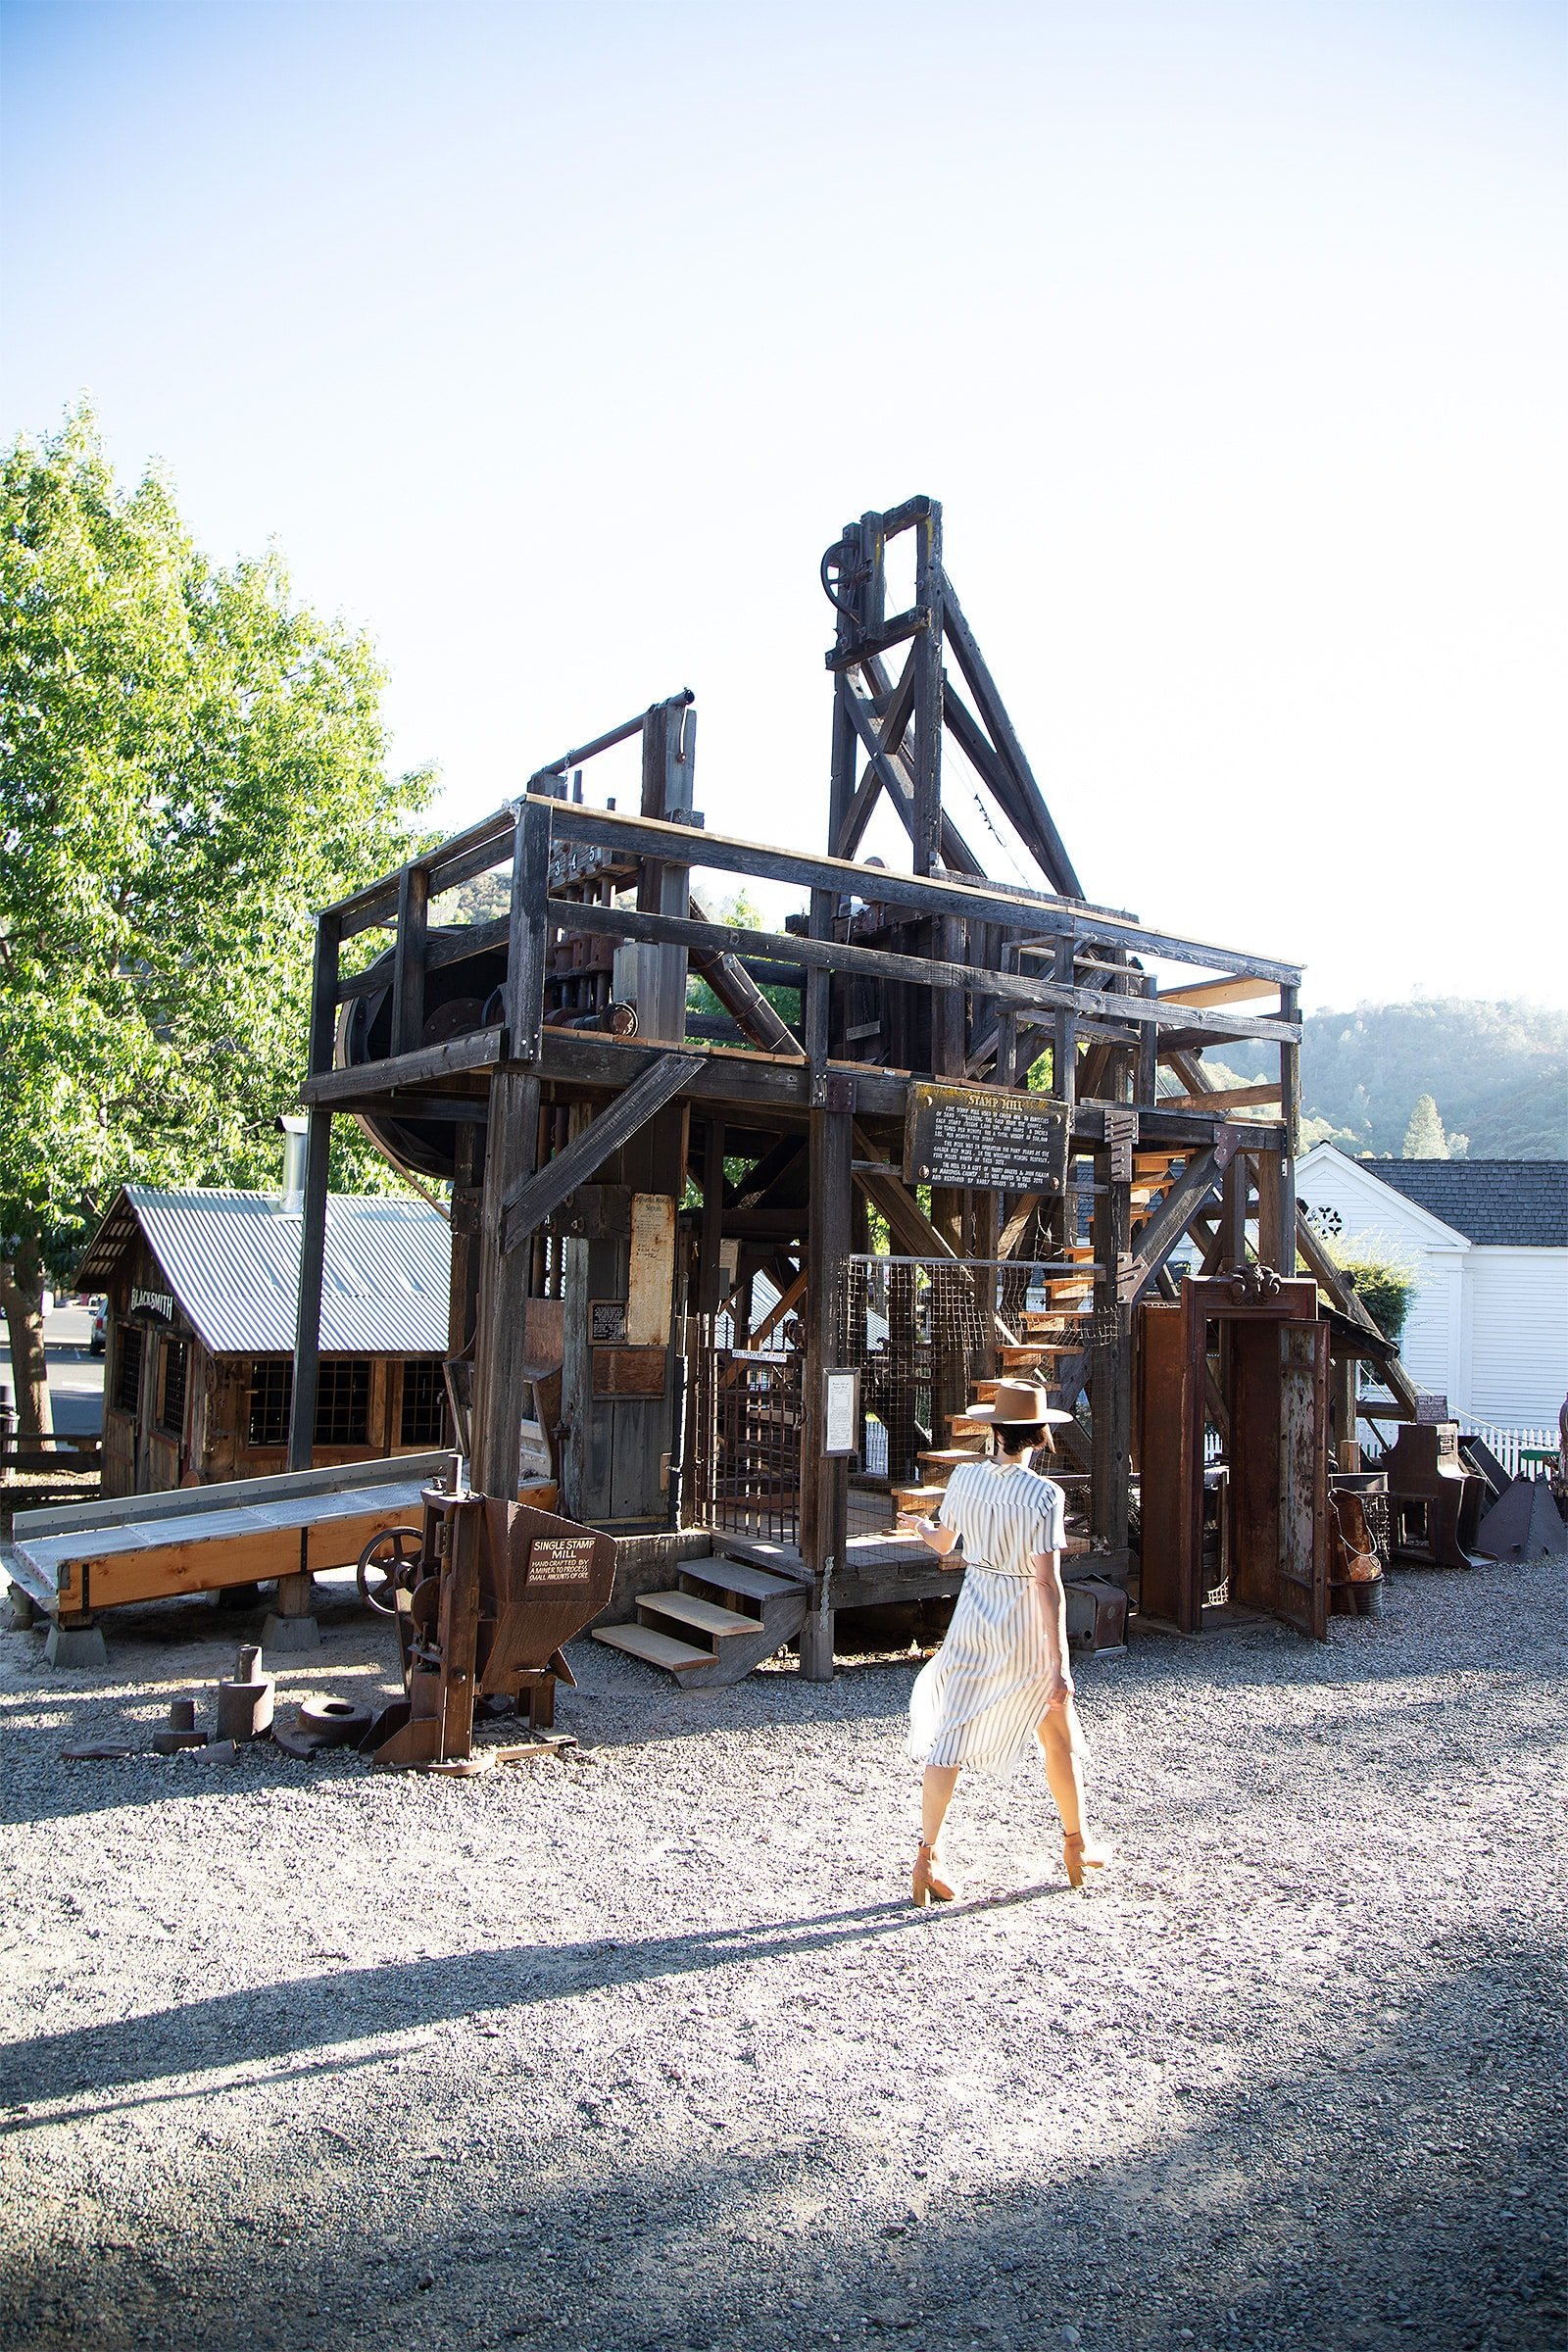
1017 1436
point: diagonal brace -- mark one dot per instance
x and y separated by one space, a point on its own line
528 1202
1198 1182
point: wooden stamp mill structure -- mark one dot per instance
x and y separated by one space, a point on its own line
738 1270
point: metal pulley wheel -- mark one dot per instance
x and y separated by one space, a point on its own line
389 1565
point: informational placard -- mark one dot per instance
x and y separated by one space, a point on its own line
841 1412
651 1274
560 1559
607 1321
969 1137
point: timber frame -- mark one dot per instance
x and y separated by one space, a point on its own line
569 1082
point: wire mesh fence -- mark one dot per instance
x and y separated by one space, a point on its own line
922 1331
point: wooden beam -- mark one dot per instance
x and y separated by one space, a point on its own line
502 1384
839 956
1239 990
528 1200
1223 1099
409 962
1198 1183
480 1049
991 902
898 784
897 631
1038 832
529 930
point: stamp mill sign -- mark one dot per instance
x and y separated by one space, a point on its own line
963 1135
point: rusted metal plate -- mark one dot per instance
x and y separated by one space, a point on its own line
1303 1591
628 1371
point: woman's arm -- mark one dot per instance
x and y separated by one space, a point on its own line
1046 1566
931 1532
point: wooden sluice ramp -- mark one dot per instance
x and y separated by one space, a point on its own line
94 1555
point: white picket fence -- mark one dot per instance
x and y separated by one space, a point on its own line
1509 1444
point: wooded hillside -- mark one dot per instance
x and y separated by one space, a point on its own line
1498 1074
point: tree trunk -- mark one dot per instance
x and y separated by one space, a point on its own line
21 1297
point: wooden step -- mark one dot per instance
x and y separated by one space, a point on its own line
917 1498
948 1457
758 1552
657 1649
707 1616
727 1574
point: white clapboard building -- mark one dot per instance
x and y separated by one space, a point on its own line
1488 1243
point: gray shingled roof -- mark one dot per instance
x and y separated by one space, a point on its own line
233 1262
1499 1204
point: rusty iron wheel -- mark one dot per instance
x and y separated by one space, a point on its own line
388 1565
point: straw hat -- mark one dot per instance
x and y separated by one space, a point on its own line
1016 1401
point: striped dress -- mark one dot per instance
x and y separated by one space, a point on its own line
978 1700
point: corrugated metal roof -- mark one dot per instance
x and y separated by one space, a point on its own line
232 1261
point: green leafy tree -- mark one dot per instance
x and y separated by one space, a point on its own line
189 763
1424 1138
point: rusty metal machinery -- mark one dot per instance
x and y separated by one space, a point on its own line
483 1609
1436 1501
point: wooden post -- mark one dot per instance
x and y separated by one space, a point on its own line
670 750
817 1005
709 1268
463 1290
291 1626
927 724
1291 1114
512 1150
1062 1221
499 1388
1112 1361
407 967
824 1483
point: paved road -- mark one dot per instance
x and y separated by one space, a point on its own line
76 1378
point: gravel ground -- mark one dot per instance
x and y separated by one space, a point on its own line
645 2048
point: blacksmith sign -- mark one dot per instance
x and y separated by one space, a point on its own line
963 1135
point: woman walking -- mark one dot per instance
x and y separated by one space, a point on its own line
1000 1684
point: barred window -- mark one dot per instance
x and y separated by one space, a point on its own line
424 1398
271 1395
343 1401
127 1372
172 1405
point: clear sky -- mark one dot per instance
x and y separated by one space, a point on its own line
554 344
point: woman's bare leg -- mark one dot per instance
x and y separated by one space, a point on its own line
935 1795
1063 1772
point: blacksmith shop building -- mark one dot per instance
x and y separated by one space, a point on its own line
201 1290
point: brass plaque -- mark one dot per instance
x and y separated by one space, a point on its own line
991 1142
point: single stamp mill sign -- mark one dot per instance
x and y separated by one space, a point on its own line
963 1135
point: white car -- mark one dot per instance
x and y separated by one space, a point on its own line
100 1328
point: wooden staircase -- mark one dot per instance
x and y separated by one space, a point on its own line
719 1618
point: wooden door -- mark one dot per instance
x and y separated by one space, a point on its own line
1171 1537
1303 1589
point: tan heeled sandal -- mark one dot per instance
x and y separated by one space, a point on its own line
1077 1857
926 1887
